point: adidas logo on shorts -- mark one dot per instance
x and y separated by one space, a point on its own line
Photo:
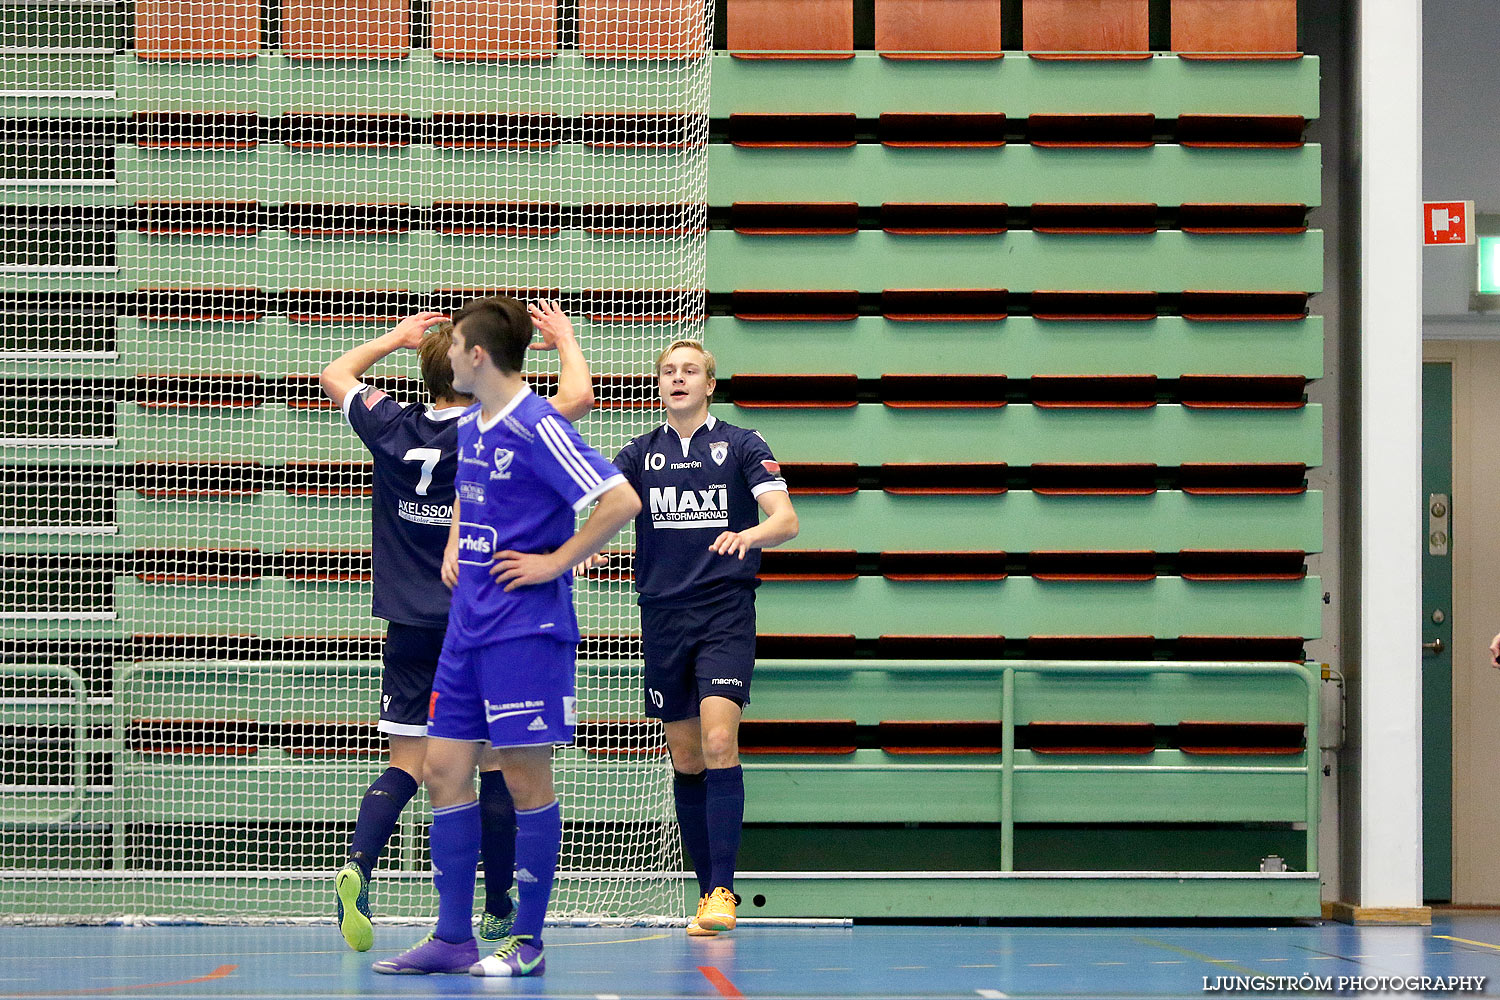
522 875
536 725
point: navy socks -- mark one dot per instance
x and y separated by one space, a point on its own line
726 815
498 841
378 812
690 791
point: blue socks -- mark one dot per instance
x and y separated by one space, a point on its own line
455 853
538 840
378 812
690 791
498 843
726 815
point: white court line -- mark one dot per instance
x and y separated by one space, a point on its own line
991 994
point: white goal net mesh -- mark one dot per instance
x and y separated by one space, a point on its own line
206 203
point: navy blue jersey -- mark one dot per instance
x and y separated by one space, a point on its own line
521 477
692 489
412 505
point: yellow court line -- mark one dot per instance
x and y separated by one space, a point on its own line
581 944
1482 944
1222 962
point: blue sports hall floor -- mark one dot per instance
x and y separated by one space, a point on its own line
766 961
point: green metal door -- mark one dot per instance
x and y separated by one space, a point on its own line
1437 632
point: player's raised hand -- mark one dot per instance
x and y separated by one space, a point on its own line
730 543
1495 650
409 331
524 569
550 321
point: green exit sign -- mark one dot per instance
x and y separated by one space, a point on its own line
1489 265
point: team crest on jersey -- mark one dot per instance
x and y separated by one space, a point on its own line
503 458
718 451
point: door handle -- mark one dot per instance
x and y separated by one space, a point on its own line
1435 645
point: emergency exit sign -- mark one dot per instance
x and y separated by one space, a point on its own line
1489 265
1447 223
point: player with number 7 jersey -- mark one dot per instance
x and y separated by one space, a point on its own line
414 448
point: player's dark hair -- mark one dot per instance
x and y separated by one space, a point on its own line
501 326
437 373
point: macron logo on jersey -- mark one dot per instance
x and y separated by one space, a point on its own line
690 508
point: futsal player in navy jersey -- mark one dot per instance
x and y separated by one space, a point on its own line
413 448
697 543
505 679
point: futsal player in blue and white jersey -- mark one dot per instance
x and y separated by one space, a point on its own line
697 545
414 452
506 676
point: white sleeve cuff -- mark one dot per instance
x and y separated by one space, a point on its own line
775 486
598 491
349 398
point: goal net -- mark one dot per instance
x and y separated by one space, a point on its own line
207 203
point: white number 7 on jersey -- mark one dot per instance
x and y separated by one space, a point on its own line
429 458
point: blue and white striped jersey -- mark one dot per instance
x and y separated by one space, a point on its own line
522 476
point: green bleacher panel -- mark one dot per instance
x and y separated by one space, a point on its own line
1015 174
1086 695
266 790
53 84
871 786
311 435
1020 434
1166 607
594 261
187 174
45 775
193 433
63 26
208 348
868 85
330 262
275 261
189 261
1022 521
291 521
418 174
1019 261
221 522
270 607
568 173
1166 786
355 175
1018 347
385 86
83 282
261 691
876 691
188 85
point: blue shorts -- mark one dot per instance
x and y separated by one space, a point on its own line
409 659
695 652
513 693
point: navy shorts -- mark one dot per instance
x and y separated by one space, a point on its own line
410 658
695 652
512 693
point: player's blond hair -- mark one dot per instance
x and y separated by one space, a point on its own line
697 345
